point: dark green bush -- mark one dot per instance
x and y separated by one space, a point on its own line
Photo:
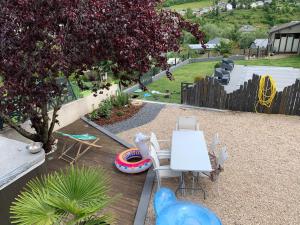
94 115
105 108
120 99
218 65
119 113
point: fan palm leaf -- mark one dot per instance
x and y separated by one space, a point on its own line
30 206
71 196
80 192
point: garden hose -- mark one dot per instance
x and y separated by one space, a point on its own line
263 98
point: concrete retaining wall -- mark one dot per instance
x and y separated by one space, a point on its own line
219 58
157 76
74 110
188 61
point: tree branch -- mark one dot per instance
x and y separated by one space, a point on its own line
18 128
53 121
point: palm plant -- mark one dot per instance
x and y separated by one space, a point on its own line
75 196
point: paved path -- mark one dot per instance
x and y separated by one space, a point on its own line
284 76
145 115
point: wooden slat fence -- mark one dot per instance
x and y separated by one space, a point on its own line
208 92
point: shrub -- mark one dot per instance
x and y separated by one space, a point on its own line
94 115
119 113
225 55
218 65
121 99
198 78
105 108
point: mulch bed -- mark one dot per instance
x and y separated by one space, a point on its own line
120 114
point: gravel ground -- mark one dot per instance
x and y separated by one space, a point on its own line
145 115
261 181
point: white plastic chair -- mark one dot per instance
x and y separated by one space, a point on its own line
223 156
187 123
217 167
154 142
214 143
162 171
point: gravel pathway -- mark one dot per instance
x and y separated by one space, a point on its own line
144 116
261 181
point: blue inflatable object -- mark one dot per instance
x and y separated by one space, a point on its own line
170 211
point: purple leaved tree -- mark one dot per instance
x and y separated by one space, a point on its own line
41 41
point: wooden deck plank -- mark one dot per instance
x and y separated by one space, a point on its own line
129 186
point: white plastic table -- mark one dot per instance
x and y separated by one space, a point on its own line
189 153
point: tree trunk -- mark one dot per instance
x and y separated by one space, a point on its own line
43 131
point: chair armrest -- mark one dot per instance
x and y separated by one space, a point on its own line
164 140
163 152
164 157
162 168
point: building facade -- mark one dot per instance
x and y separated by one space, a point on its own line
285 38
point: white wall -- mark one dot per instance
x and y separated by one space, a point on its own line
72 111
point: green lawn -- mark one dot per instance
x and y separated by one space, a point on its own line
184 74
293 61
192 5
189 72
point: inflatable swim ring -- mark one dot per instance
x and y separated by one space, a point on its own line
122 161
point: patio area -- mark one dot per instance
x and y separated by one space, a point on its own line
128 188
260 184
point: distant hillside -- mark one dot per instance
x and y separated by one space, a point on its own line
184 4
259 17
188 4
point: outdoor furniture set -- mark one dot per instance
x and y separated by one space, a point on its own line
222 74
189 153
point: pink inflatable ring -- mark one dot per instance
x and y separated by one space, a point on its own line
122 161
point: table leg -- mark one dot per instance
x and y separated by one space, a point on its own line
183 185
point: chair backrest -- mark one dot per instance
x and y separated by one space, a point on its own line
140 141
154 142
154 157
223 155
214 143
187 123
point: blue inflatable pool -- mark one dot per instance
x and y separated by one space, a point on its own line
170 211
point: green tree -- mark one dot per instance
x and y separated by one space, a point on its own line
246 40
231 32
73 196
211 31
224 47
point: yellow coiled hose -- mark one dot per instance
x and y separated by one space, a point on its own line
263 98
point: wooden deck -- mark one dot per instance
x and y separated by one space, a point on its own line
129 186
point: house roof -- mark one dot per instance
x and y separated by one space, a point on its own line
195 46
259 43
283 26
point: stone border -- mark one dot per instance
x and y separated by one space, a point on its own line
184 106
142 209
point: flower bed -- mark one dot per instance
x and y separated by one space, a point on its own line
115 109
